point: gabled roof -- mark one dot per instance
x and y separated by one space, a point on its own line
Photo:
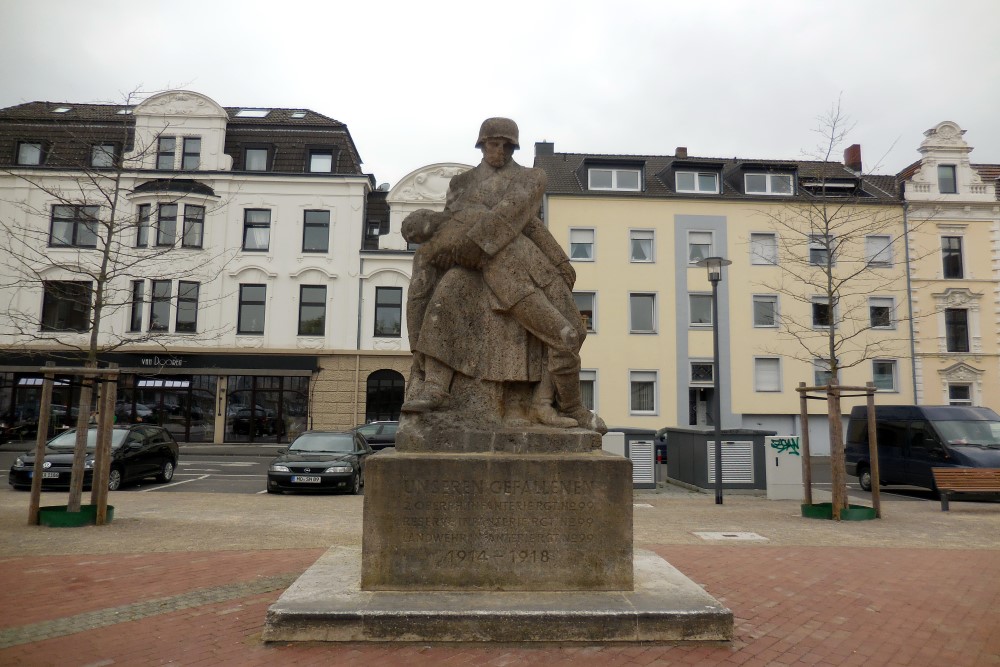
567 174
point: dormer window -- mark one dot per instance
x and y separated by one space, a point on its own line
102 155
30 152
256 158
947 184
703 182
607 178
321 160
768 184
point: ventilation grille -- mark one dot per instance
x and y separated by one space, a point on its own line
737 462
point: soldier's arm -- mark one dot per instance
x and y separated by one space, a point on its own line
492 231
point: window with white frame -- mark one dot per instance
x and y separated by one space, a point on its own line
702 372
588 389
821 372
881 311
586 303
700 310
884 374
767 374
642 392
581 245
768 184
765 310
699 246
878 250
605 178
641 245
642 313
822 313
764 249
959 394
703 182
820 249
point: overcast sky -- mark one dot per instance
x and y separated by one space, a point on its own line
413 80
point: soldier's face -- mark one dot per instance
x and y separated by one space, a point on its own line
497 152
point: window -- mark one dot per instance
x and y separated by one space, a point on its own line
702 372
581 244
388 311
822 313
166 225
642 394
706 182
102 155
614 179
820 249
880 312
701 309
699 246
142 225
956 325
74 226
884 374
135 317
321 160
821 372
878 250
947 185
768 184
187 307
253 113
588 389
312 310
951 257
192 153
256 229
641 245
29 153
586 304
765 310
298 114
256 159
959 394
767 374
66 305
250 319
316 231
194 226
165 153
642 313
159 307
763 249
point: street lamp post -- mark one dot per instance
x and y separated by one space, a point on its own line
714 266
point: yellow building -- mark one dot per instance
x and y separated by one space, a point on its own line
954 218
634 227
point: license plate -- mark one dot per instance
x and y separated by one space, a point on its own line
306 479
45 475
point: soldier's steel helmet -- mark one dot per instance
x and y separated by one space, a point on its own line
498 127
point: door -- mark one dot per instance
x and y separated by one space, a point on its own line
891 437
925 452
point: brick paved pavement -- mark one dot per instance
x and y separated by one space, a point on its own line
907 599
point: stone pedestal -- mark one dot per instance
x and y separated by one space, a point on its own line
497 522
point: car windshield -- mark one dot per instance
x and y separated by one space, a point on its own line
323 442
67 439
983 433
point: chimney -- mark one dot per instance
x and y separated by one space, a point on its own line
852 158
544 148
681 152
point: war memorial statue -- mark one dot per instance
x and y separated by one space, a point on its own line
497 516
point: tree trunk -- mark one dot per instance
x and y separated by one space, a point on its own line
80 450
838 474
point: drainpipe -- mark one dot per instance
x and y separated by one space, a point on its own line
361 282
357 347
909 300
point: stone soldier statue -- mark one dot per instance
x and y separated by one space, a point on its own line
488 273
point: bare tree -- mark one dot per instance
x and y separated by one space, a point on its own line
842 254
78 246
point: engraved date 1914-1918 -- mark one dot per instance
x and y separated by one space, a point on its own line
458 556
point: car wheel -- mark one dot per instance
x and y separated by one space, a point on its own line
865 478
166 472
356 484
114 479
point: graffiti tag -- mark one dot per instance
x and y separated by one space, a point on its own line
790 445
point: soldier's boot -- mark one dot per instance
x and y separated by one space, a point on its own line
567 386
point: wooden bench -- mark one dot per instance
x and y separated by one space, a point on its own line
951 481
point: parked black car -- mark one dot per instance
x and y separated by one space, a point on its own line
379 434
137 452
320 461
